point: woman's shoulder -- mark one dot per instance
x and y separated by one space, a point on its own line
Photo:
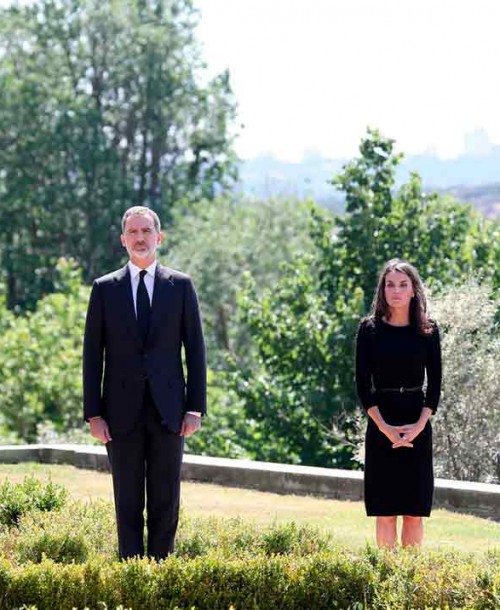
367 324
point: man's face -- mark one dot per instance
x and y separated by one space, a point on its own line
141 239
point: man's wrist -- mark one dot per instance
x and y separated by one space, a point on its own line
197 413
94 418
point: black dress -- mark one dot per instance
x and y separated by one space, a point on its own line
397 481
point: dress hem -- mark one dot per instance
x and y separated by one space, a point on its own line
398 514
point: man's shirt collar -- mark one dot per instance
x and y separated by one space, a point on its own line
135 270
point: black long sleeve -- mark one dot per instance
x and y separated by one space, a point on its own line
363 367
93 355
433 369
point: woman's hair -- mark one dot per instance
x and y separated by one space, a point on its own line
418 304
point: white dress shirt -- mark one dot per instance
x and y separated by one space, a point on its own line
149 281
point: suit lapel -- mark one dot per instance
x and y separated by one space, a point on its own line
126 301
162 293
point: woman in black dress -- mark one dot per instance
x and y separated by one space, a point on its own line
397 348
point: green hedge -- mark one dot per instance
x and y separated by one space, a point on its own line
58 554
334 579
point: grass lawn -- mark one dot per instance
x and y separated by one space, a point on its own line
346 521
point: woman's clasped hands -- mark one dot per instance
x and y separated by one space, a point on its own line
402 436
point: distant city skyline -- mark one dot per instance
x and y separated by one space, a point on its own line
311 76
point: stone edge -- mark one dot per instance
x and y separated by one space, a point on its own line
480 499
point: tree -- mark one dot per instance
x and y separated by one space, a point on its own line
300 385
40 360
299 390
216 243
101 107
467 426
445 240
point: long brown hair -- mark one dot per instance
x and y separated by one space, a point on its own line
418 304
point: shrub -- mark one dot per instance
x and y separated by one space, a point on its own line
290 539
61 547
19 498
70 536
337 579
66 560
467 426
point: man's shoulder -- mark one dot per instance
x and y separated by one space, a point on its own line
166 272
173 274
111 277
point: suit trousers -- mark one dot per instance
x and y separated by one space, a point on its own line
146 466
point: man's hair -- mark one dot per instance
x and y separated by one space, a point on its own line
141 210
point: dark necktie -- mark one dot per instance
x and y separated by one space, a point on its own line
143 307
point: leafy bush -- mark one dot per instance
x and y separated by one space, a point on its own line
323 581
467 425
18 499
291 539
38 382
65 560
80 531
61 547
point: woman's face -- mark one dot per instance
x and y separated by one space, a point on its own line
398 290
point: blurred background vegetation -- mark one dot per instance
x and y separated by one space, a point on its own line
107 105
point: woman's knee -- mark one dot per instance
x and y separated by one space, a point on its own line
387 520
411 520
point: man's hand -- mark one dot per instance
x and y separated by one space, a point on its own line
190 424
99 429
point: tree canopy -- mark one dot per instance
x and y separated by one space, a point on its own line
103 105
300 386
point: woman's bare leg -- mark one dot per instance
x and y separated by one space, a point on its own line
413 531
387 531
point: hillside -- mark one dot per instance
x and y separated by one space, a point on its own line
470 178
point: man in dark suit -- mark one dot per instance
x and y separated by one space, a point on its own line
136 398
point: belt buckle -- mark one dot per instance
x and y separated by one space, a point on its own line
401 390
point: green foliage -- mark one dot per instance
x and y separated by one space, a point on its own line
65 559
17 500
218 242
301 344
225 432
447 241
467 425
40 360
300 387
102 106
337 579
67 537
60 547
289 539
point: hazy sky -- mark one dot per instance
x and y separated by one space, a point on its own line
310 75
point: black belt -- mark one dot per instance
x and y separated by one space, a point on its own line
401 390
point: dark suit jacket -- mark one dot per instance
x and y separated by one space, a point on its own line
116 364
